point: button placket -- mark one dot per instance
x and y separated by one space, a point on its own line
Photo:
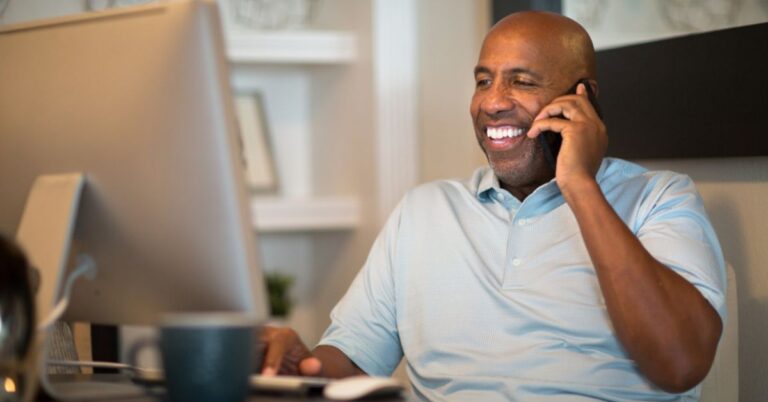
514 275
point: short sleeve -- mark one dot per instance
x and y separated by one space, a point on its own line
678 233
364 322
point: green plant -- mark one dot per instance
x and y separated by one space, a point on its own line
279 286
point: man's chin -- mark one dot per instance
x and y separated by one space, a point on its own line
519 171
505 166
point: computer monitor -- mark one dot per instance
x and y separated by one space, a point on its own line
137 99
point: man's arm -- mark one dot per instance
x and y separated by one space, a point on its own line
363 320
663 321
335 364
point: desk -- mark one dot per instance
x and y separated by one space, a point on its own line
93 380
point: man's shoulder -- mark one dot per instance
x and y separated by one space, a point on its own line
446 189
618 172
436 189
631 188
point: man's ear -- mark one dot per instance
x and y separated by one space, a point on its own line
594 87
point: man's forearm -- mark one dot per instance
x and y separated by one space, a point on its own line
335 363
662 320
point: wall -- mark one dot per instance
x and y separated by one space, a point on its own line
18 11
449 42
343 149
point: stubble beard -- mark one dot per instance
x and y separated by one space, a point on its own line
527 170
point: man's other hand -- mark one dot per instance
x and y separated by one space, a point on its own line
286 354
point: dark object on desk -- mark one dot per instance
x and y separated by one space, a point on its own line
287 385
17 323
695 96
17 310
104 346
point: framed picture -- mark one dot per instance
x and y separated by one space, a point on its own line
257 150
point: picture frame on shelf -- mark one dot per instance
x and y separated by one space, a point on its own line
258 157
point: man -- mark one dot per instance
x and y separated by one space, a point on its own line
602 281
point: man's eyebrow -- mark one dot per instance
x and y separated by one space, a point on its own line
482 70
513 71
521 70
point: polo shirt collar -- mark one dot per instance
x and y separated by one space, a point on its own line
489 185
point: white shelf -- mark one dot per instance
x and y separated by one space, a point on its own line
285 214
293 47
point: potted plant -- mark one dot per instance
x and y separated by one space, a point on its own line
280 302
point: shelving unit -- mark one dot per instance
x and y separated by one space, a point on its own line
292 47
259 59
285 214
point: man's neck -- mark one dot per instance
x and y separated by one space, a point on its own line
521 192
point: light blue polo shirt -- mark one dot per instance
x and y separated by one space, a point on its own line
491 299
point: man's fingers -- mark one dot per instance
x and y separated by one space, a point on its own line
273 359
581 89
571 107
284 352
311 366
551 124
555 109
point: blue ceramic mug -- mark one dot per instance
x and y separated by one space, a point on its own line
207 357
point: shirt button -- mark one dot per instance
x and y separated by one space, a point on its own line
500 196
522 222
516 262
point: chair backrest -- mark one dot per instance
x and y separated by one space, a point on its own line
722 382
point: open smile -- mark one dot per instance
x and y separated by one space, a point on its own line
499 138
498 133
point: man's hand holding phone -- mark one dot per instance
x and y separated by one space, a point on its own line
584 137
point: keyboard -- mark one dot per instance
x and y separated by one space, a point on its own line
285 383
257 382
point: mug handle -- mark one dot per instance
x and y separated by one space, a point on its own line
146 376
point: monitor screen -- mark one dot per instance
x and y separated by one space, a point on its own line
138 100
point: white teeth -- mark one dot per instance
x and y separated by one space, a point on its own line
498 133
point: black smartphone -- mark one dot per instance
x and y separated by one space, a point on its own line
551 141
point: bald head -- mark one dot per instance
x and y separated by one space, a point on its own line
558 38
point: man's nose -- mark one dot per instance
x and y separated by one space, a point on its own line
498 100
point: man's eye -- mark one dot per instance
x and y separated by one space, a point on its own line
481 83
523 83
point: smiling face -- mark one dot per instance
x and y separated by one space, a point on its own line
527 60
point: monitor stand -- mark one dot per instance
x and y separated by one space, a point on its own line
45 234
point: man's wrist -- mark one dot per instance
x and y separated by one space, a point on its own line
578 187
